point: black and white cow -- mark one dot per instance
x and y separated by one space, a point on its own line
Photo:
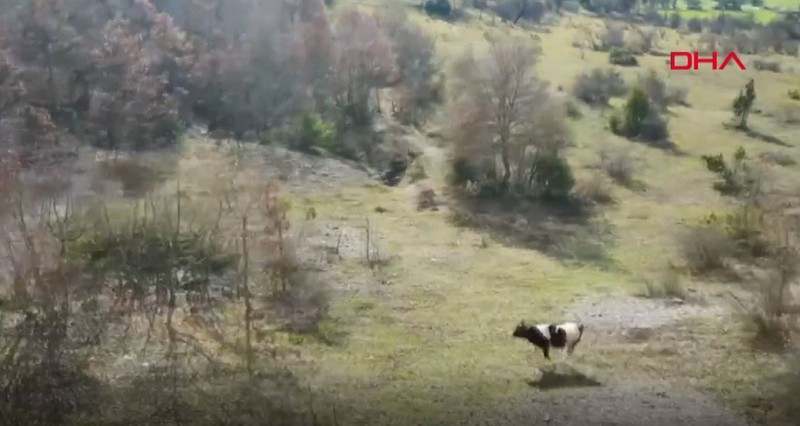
564 336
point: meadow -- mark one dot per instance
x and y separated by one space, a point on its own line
420 303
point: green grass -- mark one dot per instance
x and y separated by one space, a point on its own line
761 16
436 335
773 4
453 304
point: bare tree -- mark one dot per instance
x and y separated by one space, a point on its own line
415 51
365 62
502 110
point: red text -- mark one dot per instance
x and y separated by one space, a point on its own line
680 61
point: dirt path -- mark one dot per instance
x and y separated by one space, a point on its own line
619 314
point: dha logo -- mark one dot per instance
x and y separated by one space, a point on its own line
693 60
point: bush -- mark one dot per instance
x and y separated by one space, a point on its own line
694 25
514 10
571 6
667 284
735 179
613 36
618 165
642 41
308 133
640 119
536 128
441 8
705 249
654 127
573 110
599 85
654 17
615 123
659 93
636 110
623 57
464 171
552 176
426 198
772 316
794 95
779 158
675 21
595 189
745 226
788 113
421 83
678 95
417 171
765 65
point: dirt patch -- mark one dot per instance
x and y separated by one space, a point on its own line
304 174
620 313
621 405
572 397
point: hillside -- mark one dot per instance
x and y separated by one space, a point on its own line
290 282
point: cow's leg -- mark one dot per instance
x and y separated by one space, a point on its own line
573 344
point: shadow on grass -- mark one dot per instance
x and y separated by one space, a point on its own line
565 230
765 137
755 134
667 146
559 378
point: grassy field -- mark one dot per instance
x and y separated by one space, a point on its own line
760 15
433 332
426 339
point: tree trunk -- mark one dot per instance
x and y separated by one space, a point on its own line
506 164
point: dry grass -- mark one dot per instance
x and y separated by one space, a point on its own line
779 158
594 188
667 283
443 323
618 165
458 326
439 315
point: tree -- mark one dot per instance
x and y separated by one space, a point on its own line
744 103
515 10
729 4
47 41
364 63
636 111
503 87
551 176
694 5
131 109
11 88
441 8
502 117
737 178
417 70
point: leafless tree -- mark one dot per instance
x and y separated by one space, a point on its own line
502 111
